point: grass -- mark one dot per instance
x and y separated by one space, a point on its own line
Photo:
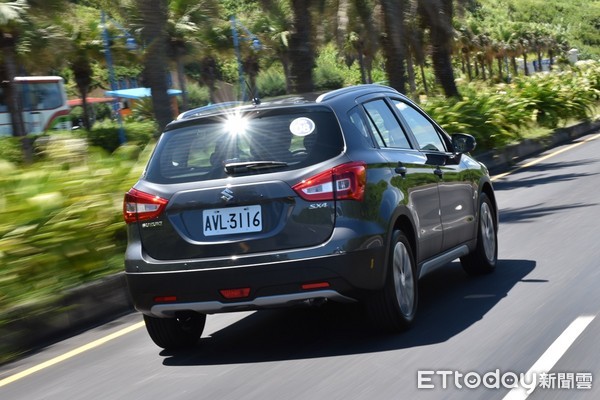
60 219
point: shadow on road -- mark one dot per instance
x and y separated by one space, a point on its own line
526 214
450 302
537 180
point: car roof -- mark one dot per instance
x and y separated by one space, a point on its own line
350 93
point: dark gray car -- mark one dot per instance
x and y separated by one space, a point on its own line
349 197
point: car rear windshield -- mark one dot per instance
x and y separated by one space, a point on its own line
251 142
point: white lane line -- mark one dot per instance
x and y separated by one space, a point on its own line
70 354
552 355
547 156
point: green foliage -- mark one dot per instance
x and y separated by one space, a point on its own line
60 219
229 71
198 96
496 116
581 17
10 149
328 73
271 82
555 98
143 110
106 134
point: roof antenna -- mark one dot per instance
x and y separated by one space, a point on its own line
255 99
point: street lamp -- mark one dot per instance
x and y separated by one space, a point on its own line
131 45
256 45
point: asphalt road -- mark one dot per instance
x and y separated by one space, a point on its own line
539 309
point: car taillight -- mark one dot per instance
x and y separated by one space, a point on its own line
140 206
344 182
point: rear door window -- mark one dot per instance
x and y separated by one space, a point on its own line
385 126
252 142
424 131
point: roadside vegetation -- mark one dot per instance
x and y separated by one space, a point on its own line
61 193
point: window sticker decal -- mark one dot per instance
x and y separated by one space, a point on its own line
302 126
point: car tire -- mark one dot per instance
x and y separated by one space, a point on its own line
483 259
175 333
394 307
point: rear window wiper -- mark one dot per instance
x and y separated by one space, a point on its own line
238 167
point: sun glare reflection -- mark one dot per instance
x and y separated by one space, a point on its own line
236 124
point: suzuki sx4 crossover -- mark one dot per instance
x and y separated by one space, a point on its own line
349 197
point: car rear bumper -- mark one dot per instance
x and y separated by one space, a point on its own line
271 283
284 300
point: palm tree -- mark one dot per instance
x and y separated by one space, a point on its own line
186 23
393 45
368 44
154 15
82 47
302 53
437 16
12 21
278 24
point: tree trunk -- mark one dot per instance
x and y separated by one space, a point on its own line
154 15
513 61
525 67
368 47
393 48
302 55
14 101
500 74
437 15
469 68
483 76
424 79
82 72
410 70
181 80
342 23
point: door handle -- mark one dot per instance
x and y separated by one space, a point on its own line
401 169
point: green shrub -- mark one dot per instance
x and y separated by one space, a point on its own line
106 134
59 229
555 98
494 118
271 82
10 149
198 96
329 70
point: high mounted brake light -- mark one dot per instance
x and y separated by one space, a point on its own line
344 182
140 206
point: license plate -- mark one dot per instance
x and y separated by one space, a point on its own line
232 220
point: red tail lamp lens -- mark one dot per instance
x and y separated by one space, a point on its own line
140 206
344 182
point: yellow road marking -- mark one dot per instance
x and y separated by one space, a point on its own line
70 354
547 156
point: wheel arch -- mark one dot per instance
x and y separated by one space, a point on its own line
489 192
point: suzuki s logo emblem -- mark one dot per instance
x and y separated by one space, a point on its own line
226 195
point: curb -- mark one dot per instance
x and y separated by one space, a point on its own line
497 160
39 324
36 325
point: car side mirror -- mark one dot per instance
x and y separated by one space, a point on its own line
463 143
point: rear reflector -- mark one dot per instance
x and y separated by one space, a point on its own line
235 293
165 299
316 285
140 206
344 182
